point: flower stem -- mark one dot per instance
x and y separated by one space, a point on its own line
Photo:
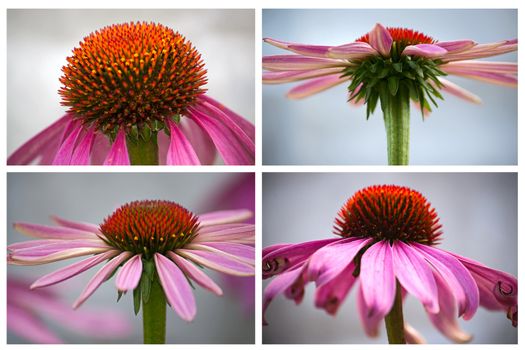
142 152
154 315
395 326
396 112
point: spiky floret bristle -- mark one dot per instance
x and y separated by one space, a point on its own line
389 212
132 75
404 37
149 226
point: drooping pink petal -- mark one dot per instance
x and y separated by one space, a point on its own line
66 149
282 257
26 325
458 91
415 275
329 261
241 252
370 320
412 336
357 50
72 270
278 285
299 63
199 139
180 151
128 277
291 76
460 281
218 262
118 155
82 153
77 225
224 217
195 273
233 233
377 279
425 50
456 45
315 86
176 287
446 319
329 296
52 232
484 66
489 77
380 39
49 138
100 277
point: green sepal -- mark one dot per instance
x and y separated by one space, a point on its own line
393 85
119 295
148 275
136 300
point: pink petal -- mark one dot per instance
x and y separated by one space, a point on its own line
494 78
72 270
331 295
195 273
309 50
458 91
291 76
483 50
380 39
100 277
118 155
412 336
456 45
77 225
218 262
241 252
277 43
27 259
224 217
425 50
40 248
315 86
51 232
176 287
415 275
377 279
199 139
180 151
26 325
484 66
128 277
49 138
81 155
370 320
101 147
357 50
65 151
277 286
233 233
299 63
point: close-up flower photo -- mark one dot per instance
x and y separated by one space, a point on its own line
159 258
330 75
404 258
130 87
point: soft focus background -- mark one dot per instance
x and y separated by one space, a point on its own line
38 42
478 212
324 129
91 197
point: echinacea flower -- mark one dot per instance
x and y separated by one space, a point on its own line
26 310
387 242
391 67
157 248
135 93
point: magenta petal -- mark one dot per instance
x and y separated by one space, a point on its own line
241 252
509 80
218 262
425 50
100 277
66 149
233 233
77 225
315 86
176 287
378 279
72 270
278 285
415 275
199 139
299 63
456 46
50 232
82 153
369 319
380 39
224 217
195 273
458 91
331 295
180 151
26 325
118 155
357 50
101 147
48 138
128 277
484 66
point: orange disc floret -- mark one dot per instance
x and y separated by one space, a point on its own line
149 226
389 212
404 37
132 74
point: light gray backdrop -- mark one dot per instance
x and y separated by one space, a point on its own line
479 216
91 197
324 129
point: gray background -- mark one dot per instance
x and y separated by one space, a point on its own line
38 42
91 197
324 129
478 212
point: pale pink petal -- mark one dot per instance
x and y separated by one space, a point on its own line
415 275
100 150
378 279
456 45
233 233
412 336
26 325
458 91
224 217
310 50
66 149
277 286
81 155
315 86
489 77
332 294
48 138
72 270
241 252
77 225
180 151
218 262
101 276
118 155
298 63
195 273
199 139
357 50
128 277
30 260
52 232
291 76
484 66
424 50
176 287
380 39
370 320
278 43
483 50
50 246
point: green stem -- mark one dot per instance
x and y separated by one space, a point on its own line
143 152
154 315
396 113
395 326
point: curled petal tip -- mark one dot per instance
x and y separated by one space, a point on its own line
380 39
425 50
